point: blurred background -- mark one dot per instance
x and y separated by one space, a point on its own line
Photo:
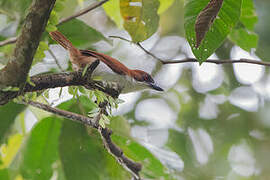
212 121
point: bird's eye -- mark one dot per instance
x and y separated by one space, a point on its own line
148 78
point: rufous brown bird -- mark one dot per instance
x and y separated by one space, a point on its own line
109 69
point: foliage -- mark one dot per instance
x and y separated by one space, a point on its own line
208 129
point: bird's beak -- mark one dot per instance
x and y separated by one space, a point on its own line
155 87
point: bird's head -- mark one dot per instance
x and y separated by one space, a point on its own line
144 79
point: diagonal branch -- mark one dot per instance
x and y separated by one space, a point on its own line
80 13
186 60
133 167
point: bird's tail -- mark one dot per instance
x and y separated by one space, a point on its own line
62 40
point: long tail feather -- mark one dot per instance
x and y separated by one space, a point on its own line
61 39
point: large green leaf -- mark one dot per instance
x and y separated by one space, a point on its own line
243 35
248 15
120 126
227 17
244 38
8 114
82 153
41 150
80 34
140 18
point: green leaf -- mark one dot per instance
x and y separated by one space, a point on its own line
86 156
28 80
8 114
43 46
243 35
59 6
243 38
112 9
51 28
82 155
71 90
106 120
10 88
86 36
227 17
140 18
248 14
164 5
102 123
41 150
54 19
100 96
120 126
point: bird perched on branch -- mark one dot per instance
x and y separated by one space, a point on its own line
109 69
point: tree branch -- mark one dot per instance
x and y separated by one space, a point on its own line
133 167
8 41
80 13
186 60
46 81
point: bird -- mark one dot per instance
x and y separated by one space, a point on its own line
109 68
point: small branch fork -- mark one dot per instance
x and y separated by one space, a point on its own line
93 6
186 60
133 167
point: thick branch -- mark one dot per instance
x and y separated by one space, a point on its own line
186 60
46 81
80 13
133 167
16 71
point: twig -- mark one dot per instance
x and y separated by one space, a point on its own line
8 41
186 60
55 59
82 12
133 167
69 115
219 61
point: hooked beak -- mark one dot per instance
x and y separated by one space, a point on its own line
155 87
